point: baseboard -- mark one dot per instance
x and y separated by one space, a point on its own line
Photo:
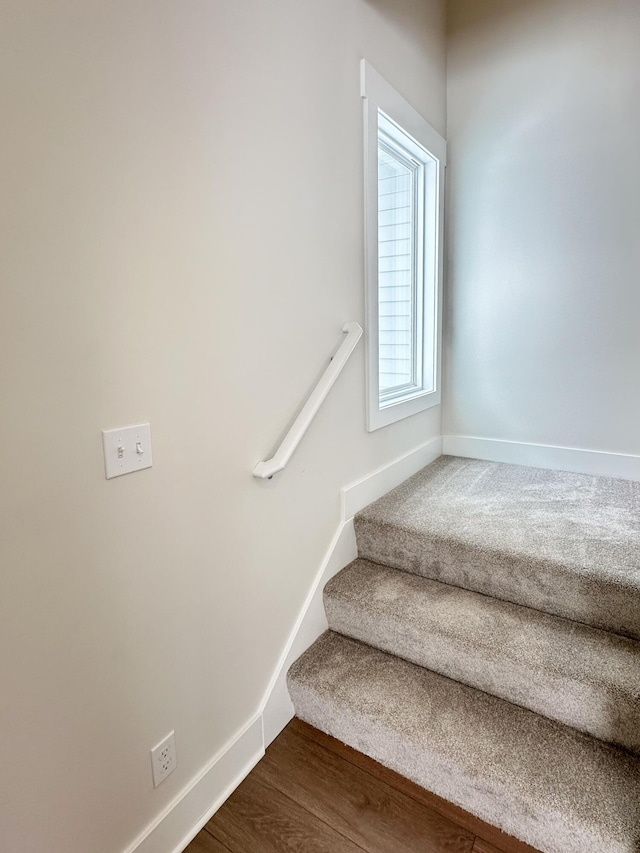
596 462
208 790
276 707
204 794
359 495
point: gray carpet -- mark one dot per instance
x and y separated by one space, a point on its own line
579 675
553 787
566 544
509 599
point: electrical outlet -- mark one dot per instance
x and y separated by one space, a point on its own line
163 758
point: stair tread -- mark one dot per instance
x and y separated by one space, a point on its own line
573 673
564 543
555 788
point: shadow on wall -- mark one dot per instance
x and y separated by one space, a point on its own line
496 14
401 16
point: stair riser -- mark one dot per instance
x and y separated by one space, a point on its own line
582 706
541 585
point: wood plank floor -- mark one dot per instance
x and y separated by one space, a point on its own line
312 794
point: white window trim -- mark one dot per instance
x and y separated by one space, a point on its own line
377 95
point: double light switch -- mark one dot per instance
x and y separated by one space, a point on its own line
127 449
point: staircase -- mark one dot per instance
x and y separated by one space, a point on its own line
486 645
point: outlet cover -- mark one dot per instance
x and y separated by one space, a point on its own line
163 758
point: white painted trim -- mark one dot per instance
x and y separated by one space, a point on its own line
204 794
379 96
276 707
598 462
360 494
375 88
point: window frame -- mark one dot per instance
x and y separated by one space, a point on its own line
379 97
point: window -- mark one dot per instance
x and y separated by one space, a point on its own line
404 183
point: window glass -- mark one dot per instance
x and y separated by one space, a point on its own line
396 267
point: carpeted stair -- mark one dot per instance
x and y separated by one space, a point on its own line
500 667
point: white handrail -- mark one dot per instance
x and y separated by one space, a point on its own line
266 469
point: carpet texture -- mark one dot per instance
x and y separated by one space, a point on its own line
566 544
553 787
573 673
485 644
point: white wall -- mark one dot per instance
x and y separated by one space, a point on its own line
544 204
181 228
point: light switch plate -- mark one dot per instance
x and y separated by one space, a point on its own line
126 449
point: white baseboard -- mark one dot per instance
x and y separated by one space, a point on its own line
204 794
359 495
276 707
208 790
573 459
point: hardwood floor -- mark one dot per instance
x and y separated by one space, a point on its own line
312 794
